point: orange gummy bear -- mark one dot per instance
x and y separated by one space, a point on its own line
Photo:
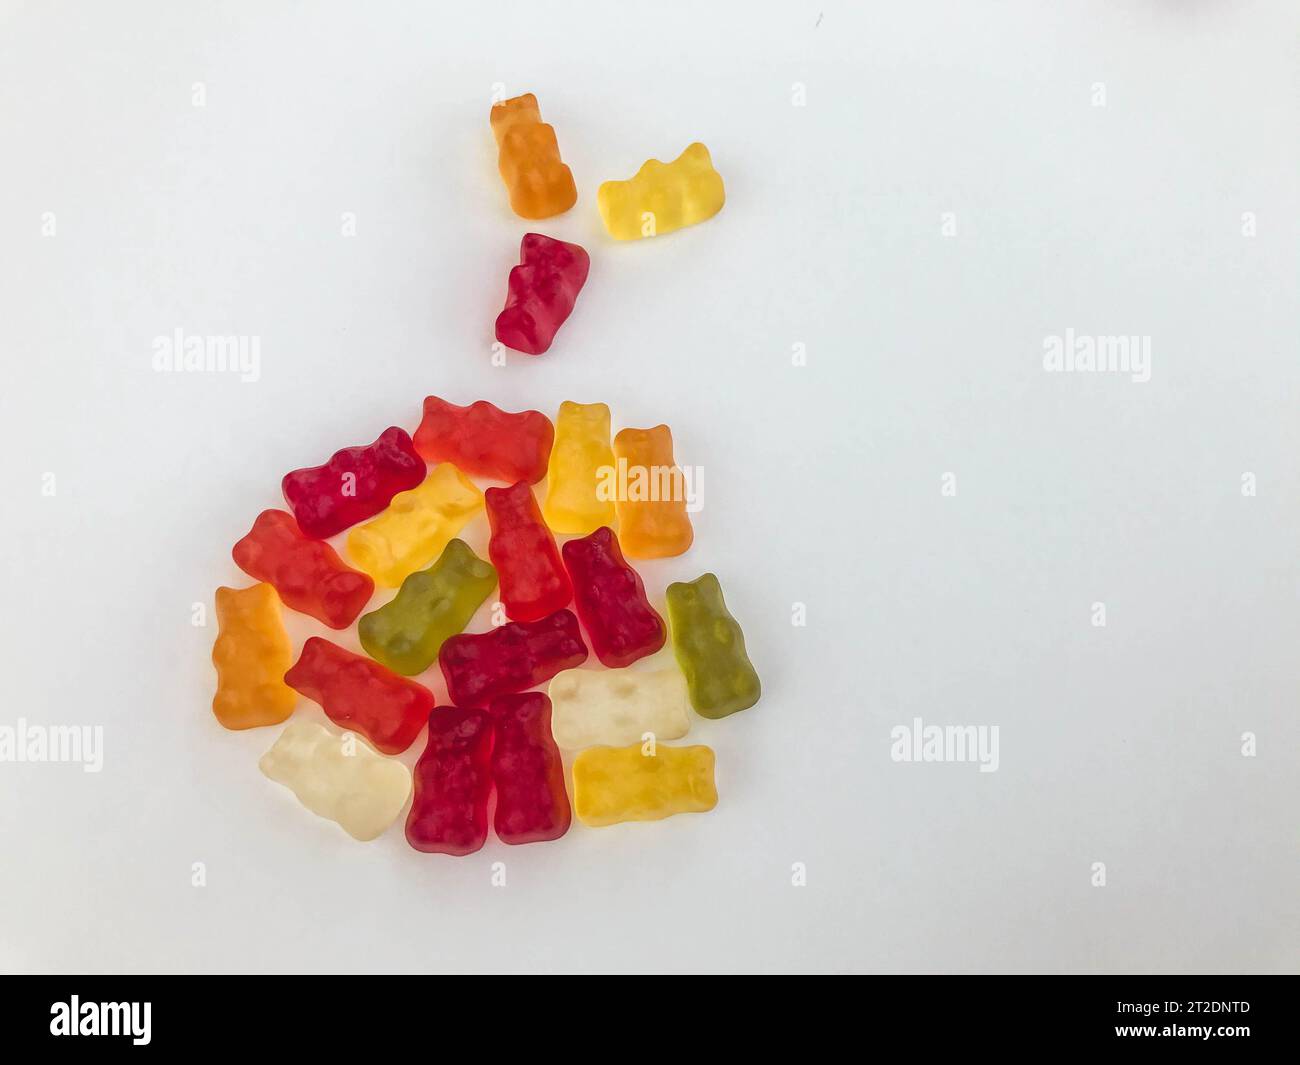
650 495
251 654
539 183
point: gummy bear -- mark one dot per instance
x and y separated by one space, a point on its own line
532 805
614 784
580 452
356 484
339 778
406 633
251 653
453 779
517 656
359 694
416 527
662 197
591 707
710 648
485 441
610 599
651 506
308 574
533 582
541 292
540 185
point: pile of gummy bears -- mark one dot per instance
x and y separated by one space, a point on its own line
404 499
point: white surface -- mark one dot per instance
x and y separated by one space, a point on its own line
1118 744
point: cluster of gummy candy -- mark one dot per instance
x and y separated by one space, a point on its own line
543 288
499 736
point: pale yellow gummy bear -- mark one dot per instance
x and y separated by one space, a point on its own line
580 457
341 778
416 527
617 707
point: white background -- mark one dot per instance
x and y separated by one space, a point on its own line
1119 744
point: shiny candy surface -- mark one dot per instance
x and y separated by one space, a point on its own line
615 784
307 574
433 604
517 656
532 805
651 495
662 197
611 602
355 484
528 157
534 582
617 708
580 458
339 778
541 292
483 440
251 653
710 648
453 780
416 527
361 695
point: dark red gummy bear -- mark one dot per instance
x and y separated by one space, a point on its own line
611 600
517 656
453 780
541 292
361 695
532 804
356 484
483 440
307 574
522 548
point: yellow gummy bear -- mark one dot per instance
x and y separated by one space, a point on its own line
580 452
613 784
340 778
662 196
416 527
252 654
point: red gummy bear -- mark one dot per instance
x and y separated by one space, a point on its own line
611 600
356 484
361 695
532 804
517 656
533 581
541 292
308 574
483 440
453 780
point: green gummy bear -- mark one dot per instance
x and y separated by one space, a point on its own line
431 605
710 648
